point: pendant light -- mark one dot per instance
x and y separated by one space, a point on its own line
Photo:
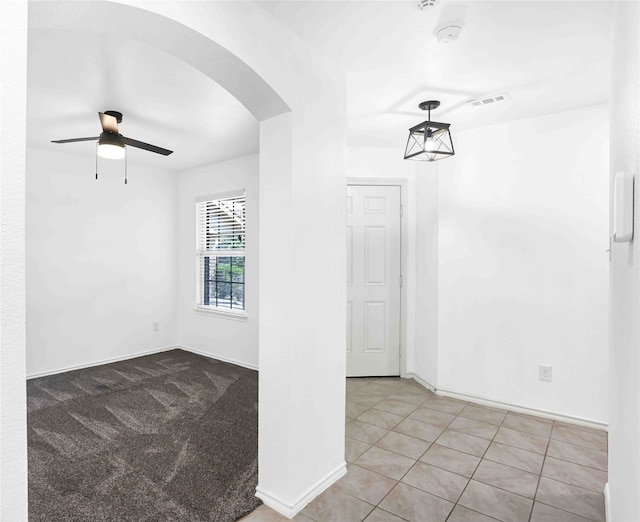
429 140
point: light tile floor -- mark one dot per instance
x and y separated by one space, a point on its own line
415 456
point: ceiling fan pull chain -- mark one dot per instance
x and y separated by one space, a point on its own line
126 157
96 160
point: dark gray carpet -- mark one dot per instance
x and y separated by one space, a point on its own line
171 436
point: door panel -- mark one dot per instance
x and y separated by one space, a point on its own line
374 321
373 280
375 249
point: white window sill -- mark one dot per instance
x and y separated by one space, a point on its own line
234 316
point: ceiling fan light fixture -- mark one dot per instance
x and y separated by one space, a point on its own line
111 146
111 151
429 140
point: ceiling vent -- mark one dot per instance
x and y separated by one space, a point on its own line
489 100
423 4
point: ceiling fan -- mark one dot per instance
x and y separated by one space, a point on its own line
111 144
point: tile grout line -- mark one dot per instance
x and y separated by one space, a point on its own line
565 511
430 445
476 469
377 506
578 463
418 460
482 458
544 460
410 468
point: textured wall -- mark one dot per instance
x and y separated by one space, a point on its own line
13 91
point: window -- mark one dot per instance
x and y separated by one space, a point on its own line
220 252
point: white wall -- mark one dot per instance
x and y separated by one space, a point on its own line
13 100
302 173
101 260
419 183
302 280
624 428
523 264
219 337
427 272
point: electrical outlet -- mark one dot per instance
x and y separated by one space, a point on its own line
156 326
545 372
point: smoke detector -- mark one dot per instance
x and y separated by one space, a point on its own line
423 4
448 34
488 100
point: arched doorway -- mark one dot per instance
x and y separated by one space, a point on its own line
299 98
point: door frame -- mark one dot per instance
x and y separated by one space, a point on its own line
404 190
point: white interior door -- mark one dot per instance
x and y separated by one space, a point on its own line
373 280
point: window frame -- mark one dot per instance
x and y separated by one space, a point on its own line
202 253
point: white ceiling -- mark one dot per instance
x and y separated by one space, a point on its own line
72 75
548 55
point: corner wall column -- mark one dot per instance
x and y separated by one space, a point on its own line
13 104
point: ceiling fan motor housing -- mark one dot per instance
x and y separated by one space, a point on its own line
117 115
109 138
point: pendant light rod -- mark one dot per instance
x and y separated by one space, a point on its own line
429 106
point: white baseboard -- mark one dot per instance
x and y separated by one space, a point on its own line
607 503
290 510
579 421
101 362
138 354
218 357
421 381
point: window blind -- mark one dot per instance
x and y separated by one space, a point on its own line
221 251
221 225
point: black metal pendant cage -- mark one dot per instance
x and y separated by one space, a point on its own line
429 141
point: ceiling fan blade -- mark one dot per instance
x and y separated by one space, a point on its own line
109 123
74 139
147 146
